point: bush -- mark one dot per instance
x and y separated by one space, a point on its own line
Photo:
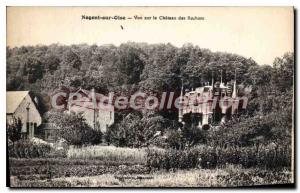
28 149
13 130
174 139
74 129
34 148
138 129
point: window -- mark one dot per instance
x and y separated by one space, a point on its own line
27 126
46 135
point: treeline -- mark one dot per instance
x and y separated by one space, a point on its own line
157 67
161 67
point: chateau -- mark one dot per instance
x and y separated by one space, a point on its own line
210 104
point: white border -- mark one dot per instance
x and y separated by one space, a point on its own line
5 3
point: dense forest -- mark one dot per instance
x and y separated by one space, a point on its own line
157 67
161 67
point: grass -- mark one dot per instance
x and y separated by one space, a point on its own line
180 178
109 166
108 153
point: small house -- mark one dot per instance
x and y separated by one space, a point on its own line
20 105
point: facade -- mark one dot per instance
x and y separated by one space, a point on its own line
50 132
19 105
98 116
211 104
82 101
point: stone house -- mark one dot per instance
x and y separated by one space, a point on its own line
20 105
88 103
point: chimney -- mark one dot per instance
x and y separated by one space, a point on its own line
234 86
94 101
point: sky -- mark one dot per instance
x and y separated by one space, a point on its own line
261 33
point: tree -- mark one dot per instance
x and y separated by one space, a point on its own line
284 72
13 130
74 129
161 70
126 133
174 139
130 63
70 58
33 69
258 76
192 135
16 83
133 67
51 62
138 129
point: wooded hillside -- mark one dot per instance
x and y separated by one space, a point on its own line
160 67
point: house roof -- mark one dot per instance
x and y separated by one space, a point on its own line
14 99
87 95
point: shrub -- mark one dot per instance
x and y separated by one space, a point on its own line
13 130
138 129
28 149
174 139
74 129
34 148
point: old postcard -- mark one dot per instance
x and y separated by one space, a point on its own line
150 97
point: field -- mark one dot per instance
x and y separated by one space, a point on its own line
108 153
108 166
138 176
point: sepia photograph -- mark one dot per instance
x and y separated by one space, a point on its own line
150 97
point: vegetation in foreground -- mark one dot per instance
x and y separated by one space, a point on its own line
230 176
102 166
108 153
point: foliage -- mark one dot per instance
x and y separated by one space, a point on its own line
185 137
28 149
74 129
139 129
284 72
13 130
231 176
156 67
192 136
268 156
269 115
174 139
63 167
33 69
108 153
133 67
238 177
226 177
